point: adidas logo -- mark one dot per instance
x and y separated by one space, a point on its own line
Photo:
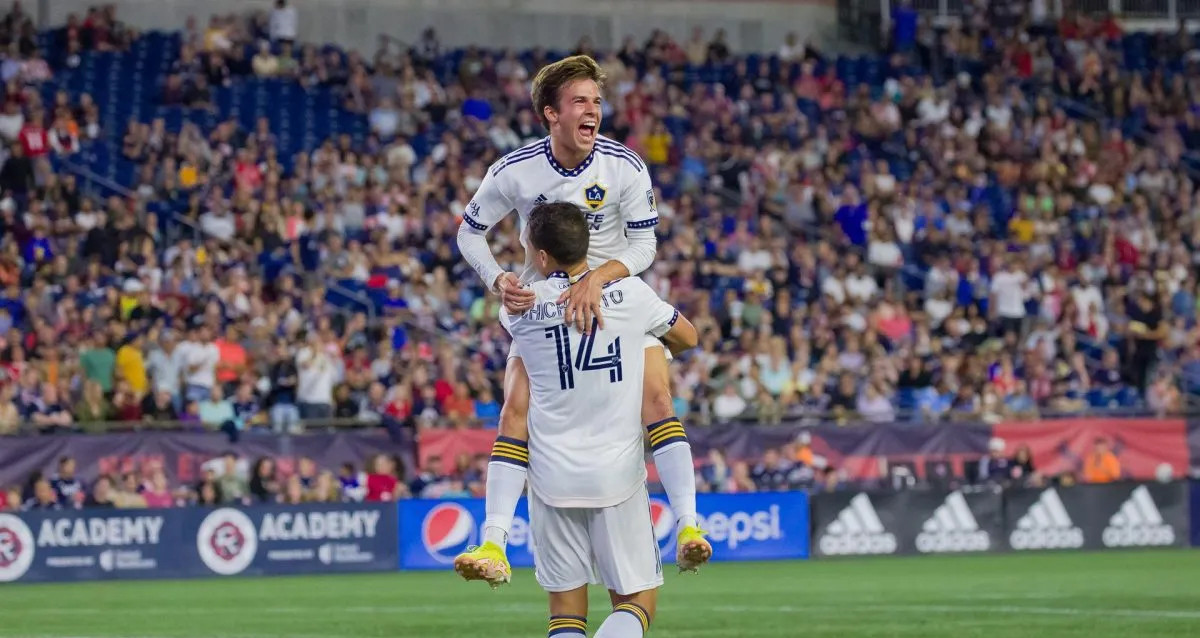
952 528
1046 526
541 199
1138 523
857 530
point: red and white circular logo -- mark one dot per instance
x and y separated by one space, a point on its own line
16 548
227 541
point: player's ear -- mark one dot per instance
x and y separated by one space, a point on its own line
550 114
543 260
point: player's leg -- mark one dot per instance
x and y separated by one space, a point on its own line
563 565
630 566
509 464
672 457
631 615
568 613
507 471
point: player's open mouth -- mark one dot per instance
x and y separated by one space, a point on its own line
587 130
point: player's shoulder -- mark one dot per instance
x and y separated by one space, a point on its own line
525 154
631 284
611 150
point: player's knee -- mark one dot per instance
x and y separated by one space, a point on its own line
643 603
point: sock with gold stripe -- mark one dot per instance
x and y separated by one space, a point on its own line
676 469
567 627
507 471
628 620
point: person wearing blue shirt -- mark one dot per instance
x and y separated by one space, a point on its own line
487 409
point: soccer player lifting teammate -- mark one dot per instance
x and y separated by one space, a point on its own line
612 185
589 509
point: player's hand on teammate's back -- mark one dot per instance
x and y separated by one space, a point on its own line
515 298
583 303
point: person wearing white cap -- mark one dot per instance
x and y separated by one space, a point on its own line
995 467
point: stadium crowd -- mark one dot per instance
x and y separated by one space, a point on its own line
928 233
234 479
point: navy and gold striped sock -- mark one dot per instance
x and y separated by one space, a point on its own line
567 626
507 471
628 620
512 451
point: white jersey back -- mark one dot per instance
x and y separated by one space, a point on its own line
612 185
585 393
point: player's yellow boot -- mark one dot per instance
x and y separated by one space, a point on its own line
487 562
691 549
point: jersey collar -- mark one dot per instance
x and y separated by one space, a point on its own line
574 172
562 274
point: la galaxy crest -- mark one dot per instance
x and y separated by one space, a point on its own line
594 195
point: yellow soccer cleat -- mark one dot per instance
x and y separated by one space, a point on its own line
486 562
691 549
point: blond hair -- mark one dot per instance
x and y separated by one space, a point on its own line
550 80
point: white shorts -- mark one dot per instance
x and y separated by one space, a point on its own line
614 546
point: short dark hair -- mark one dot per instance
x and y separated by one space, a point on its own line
560 229
551 79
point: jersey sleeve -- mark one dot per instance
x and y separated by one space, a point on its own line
638 208
659 316
640 214
488 207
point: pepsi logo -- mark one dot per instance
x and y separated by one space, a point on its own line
227 541
447 531
16 548
663 521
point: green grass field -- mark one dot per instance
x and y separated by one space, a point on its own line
1130 595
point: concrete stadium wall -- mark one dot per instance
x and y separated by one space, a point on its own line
751 25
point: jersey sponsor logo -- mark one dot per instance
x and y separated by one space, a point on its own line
952 528
650 201
16 548
857 530
594 195
1046 526
447 531
227 541
1138 524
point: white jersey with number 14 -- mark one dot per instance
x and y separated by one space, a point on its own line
585 392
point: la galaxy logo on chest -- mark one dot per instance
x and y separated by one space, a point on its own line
594 196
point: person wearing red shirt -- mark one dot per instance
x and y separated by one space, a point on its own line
34 139
382 484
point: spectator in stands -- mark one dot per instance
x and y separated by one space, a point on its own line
284 23
157 492
264 484
67 487
43 497
995 467
101 495
315 379
1101 465
48 414
231 486
382 484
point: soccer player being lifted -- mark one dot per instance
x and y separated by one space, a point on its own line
589 510
612 185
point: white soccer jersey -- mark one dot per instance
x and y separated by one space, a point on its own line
585 393
612 186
